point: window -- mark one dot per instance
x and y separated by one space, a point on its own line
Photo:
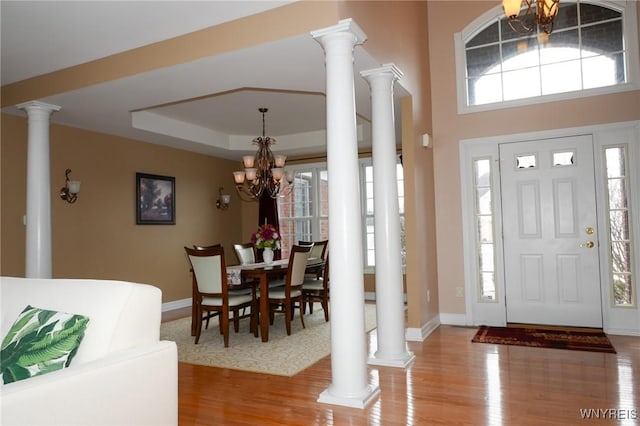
561 159
526 161
304 212
590 51
484 223
620 243
366 176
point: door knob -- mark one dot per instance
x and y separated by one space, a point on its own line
588 244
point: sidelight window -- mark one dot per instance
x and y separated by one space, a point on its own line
619 226
484 222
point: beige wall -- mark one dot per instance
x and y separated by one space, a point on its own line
97 237
446 18
397 33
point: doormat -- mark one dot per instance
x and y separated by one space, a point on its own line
557 338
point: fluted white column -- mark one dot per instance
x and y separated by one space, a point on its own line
349 386
392 347
38 243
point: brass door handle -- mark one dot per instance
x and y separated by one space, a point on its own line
588 244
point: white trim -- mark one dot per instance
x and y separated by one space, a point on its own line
461 73
176 304
622 331
419 334
543 99
630 34
617 320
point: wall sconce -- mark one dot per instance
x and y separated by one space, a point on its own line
223 200
69 192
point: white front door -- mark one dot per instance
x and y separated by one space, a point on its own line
552 273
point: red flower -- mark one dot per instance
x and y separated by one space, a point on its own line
266 237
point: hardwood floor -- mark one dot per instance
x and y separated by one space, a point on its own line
452 381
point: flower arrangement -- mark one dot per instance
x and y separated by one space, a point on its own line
266 237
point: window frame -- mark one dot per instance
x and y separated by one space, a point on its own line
630 38
316 216
481 298
629 186
363 164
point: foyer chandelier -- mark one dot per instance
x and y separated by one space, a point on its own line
540 13
263 172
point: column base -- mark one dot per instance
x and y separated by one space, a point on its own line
401 362
354 402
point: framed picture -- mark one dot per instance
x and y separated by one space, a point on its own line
155 199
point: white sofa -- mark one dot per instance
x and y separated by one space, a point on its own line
122 373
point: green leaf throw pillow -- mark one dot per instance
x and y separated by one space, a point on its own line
40 341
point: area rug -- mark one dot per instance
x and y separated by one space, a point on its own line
282 355
545 338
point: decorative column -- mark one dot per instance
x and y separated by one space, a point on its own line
38 243
392 347
349 386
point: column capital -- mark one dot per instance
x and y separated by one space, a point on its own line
382 70
344 25
38 105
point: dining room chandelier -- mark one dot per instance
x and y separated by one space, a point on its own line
538 13
263 172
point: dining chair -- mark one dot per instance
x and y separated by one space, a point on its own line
246 290
317 290
318 251
213 294
245 252
283 299
319 248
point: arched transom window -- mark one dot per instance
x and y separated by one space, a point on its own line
590 51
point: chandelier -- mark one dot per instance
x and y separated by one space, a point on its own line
538 12
263 172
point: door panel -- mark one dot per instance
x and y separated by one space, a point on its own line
548 193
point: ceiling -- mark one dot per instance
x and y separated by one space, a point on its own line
209 105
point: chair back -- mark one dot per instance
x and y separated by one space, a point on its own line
209 269
319 248
246 253
197 247
297 266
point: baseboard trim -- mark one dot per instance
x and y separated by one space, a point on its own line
622 332
176 304
419 334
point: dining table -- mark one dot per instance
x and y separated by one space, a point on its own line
263 273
